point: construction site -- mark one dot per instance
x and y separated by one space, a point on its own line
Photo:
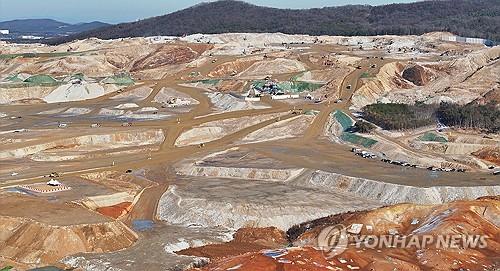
234 152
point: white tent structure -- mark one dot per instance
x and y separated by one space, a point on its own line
54 182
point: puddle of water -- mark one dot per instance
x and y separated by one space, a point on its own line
142 225
434 174
275 253
21 191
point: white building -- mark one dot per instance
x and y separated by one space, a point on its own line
4 31
30 37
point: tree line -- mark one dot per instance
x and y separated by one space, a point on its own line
471 18
393 116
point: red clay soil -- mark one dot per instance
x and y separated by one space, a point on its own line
464 218
165 55
115 211
245 240
489 154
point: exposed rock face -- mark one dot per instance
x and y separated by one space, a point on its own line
264 174
373 89
165 55
416 74
491 154
462 80
244 240
393 193
80 143
26 241
476 219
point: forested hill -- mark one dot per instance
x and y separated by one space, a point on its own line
471 18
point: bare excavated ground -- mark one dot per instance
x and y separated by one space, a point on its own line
170 157
470 217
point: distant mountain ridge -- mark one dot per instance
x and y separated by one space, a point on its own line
472 18
47 27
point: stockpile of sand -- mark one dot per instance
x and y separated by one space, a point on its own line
227 102
78 92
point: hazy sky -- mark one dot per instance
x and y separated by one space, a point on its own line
115 11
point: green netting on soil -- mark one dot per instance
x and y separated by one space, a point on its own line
41 79
298 86
14 78
258 83
432 137
211 82
358 140
345 121
120 79
80 76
